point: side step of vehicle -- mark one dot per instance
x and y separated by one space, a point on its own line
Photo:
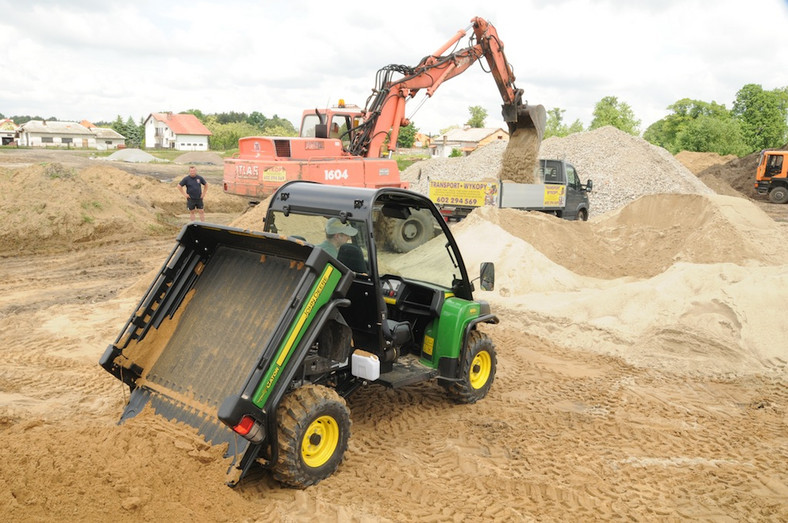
406 371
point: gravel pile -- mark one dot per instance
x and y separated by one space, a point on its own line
132 155
199 158
623 167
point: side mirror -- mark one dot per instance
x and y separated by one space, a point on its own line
487 276
321 130
589 185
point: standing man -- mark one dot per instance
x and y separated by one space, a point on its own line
196 189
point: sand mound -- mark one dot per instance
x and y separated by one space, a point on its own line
691 319
51 208
669 281
200 158
697 162
644 238
252 218
133 155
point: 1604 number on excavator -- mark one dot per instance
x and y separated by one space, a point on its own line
336 174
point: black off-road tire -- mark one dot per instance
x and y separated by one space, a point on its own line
313 428
779 195
582 215
478 369
406 235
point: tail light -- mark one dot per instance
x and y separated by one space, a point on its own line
250 429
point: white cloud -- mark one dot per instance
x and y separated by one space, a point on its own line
95 60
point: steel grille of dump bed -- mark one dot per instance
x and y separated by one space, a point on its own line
238 303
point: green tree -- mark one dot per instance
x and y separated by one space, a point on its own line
407 135
225 136
196 112
276 126
665 132
478 116
712 134
609 111
762 115
134 133
555 125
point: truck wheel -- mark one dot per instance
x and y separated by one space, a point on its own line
779 195
478 369
313 425
582 215
406 235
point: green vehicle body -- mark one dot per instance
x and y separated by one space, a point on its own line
237 323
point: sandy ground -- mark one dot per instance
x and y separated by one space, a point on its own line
641 374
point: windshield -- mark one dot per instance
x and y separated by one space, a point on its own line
411 244
345 241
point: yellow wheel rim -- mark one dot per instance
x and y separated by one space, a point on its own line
320 441
481 366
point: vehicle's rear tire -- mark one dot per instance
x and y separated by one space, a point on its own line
405 235
478 369
779 194
313 425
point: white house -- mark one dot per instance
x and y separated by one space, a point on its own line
465 140
107 138
42 133
183 132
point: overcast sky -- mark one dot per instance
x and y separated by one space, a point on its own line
96 59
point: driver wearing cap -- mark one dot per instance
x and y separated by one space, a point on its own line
337 234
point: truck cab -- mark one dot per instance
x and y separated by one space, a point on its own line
771 176
559 172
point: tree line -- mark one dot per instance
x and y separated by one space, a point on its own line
757 120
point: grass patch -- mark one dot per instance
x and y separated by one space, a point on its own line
56 170
406 160
92 205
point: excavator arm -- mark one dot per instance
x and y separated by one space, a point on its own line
385 110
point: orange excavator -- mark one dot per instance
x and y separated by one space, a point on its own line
344 145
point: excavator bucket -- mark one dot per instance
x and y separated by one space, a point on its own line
524 116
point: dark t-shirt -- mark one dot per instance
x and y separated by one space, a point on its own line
193 188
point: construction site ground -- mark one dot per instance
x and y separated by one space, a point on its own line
642 366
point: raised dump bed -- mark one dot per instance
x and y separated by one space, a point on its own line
223 305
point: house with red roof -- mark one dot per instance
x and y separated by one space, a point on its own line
182 132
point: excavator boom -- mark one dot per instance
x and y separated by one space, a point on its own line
385 110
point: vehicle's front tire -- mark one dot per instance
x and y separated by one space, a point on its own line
478 369
313 428
779 195
582 215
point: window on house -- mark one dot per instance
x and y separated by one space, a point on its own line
47 139
67 140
